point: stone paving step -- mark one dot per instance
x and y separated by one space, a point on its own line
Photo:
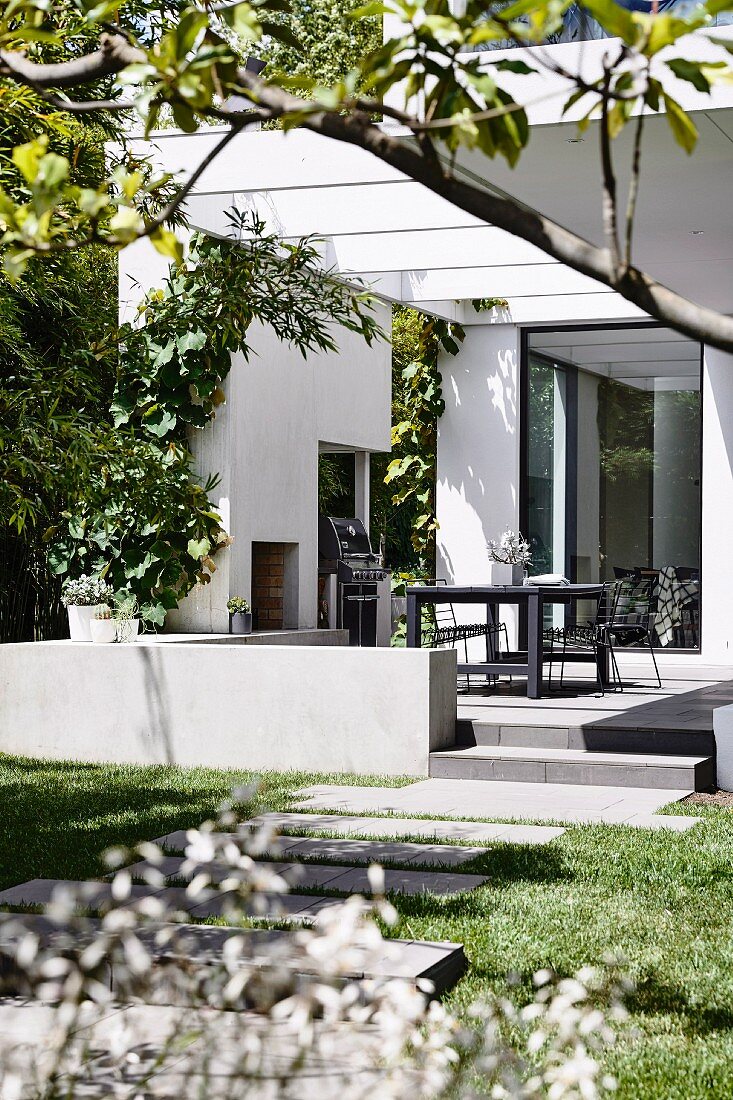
307 876
413 960
581 803
353 1065
557 765
349 851
483 832
98 897
623 734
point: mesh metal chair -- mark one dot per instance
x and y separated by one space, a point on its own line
444 631
580 637
632 617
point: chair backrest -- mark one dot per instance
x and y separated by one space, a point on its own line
634 601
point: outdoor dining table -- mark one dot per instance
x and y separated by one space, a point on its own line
530 598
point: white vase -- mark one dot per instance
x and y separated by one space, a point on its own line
103 631
127 629
502 574
79 620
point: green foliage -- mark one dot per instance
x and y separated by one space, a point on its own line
173 366
139 518
330 42
140 521
55 382
420 403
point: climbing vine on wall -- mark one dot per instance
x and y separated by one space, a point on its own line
141 519
417 406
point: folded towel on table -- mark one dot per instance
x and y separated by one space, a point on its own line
556 579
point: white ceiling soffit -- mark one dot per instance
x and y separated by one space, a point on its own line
417 248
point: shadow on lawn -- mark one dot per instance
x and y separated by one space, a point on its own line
58 818
654 996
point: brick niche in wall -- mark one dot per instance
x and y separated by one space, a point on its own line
268 579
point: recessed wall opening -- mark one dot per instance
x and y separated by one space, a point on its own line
275 585
611 457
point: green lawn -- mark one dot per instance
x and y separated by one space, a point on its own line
664 899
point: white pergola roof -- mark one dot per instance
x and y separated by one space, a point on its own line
415 247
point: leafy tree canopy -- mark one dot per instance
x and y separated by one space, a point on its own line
133 57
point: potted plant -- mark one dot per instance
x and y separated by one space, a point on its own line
80 598
126 617
509 558
240 616
102 626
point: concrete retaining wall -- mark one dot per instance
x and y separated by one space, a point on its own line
375 711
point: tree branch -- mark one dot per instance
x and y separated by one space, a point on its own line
633 188
171 207
697 322
608 179
115 53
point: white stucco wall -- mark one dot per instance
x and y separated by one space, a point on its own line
263 444
324 708
478 454
717 507
478 478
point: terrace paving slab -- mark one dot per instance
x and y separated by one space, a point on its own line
413 960
356 881
364 851
477 832
482 798
177 868
343 1058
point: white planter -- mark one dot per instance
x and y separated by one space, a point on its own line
505 574
127 629
103 631
79 619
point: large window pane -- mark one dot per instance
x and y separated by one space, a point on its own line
613 452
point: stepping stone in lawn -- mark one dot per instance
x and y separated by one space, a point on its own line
357 851
306 876
97 896
314 875
432 829
89 895
441 963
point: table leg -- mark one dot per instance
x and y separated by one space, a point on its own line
534 645
413 622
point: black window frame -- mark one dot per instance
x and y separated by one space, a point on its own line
571 470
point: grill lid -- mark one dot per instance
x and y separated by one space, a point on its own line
342 538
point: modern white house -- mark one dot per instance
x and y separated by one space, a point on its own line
604 437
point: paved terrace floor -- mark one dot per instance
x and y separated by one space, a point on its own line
685 702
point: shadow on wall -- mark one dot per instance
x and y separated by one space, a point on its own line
155 737
478 452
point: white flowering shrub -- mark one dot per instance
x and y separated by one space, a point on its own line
285 1019
85 592
511 549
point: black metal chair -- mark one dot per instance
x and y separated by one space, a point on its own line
632 618
580 637
444 631
689 611
624 617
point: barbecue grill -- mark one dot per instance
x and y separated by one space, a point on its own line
353 576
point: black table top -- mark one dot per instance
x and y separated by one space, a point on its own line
500 590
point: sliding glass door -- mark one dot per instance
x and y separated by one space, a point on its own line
612 462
